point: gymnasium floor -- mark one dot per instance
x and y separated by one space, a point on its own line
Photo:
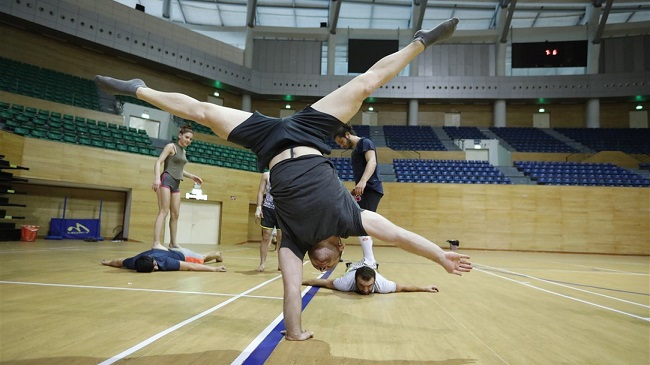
58 305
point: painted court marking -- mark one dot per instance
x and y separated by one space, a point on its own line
139 289
259 350
647 319
155 337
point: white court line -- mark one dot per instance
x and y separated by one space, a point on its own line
137 289
601 271
612 270
569 287
647 319
154 338
256 342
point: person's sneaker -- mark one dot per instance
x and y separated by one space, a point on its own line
351 266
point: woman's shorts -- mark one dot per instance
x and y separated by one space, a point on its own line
168 182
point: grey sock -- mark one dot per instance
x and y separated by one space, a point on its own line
118 87
443 31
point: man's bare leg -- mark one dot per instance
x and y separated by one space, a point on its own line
264 248
344 102
222 120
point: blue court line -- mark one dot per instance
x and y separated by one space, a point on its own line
271 341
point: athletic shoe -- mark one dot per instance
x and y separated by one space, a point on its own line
351 266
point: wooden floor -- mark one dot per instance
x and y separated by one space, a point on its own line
58 305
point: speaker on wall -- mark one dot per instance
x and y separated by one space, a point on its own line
139 7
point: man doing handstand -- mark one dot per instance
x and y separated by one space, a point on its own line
313 207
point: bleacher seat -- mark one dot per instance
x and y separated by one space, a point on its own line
448 171
580 173
413 138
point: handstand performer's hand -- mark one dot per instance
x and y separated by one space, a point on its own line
305 335
456 263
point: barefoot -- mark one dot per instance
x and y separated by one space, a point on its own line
158 246
216 256
175 246
260 268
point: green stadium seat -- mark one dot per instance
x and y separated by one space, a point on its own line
37 133
21 131
11 124
69 138
55 136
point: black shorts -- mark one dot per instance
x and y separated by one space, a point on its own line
370 200
312 204
269 219
267 136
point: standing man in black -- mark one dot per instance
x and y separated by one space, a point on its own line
368 190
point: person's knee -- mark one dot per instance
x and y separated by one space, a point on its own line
173 215
368 82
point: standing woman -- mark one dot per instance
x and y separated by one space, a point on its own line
167 185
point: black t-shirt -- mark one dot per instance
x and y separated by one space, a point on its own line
359 163
312 204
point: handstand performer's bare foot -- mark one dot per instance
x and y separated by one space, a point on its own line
119 87
438 34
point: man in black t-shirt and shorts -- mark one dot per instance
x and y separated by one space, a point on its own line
368 190
313 207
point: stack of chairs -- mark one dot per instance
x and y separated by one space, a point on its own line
580 173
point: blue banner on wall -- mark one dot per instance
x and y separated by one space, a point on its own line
74 228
